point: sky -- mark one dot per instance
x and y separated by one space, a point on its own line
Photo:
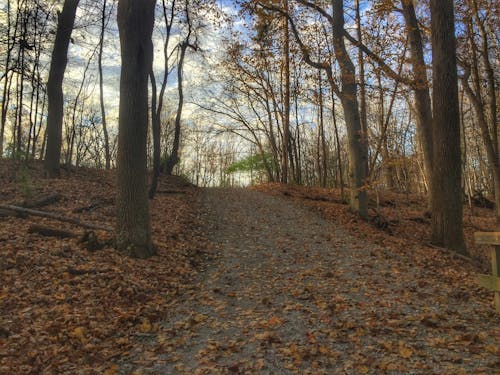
195 69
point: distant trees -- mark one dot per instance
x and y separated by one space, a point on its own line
186 19
346 91
24 29
480 80
313 101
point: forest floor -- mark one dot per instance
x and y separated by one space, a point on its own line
276 281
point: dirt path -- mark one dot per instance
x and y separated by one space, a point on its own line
289 293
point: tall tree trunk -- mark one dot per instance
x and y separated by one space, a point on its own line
157 105
285 146
173 159
357 150
156 133
72 132
7 80
324 153
133 229
101 87
362 86
58 63
446 222
20 88
339 150
37 132
297 141
423 107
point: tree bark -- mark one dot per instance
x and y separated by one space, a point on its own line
423 107
285 146
54 87
362 86
447 230
133 229
348 98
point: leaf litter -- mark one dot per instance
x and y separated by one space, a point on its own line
293 292
244 282
65 309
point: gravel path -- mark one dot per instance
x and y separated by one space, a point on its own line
290 293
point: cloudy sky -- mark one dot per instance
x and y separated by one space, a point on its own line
197 65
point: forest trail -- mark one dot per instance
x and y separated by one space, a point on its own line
290 293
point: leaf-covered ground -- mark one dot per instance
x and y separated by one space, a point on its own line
244 282
292 292
65 309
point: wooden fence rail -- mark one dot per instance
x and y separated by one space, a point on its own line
491 282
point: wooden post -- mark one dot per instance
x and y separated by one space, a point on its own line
491 282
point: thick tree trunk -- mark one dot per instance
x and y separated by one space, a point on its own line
54 87
447 227
133 230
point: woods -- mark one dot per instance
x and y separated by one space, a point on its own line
254 186
292 83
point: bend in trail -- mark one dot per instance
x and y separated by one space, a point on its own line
291 293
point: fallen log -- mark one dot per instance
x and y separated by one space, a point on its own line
7 213
57 217
171 191
45 201
50 232
41 202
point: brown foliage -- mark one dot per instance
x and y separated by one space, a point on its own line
396 220
64 308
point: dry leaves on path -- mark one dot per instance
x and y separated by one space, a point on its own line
291 292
